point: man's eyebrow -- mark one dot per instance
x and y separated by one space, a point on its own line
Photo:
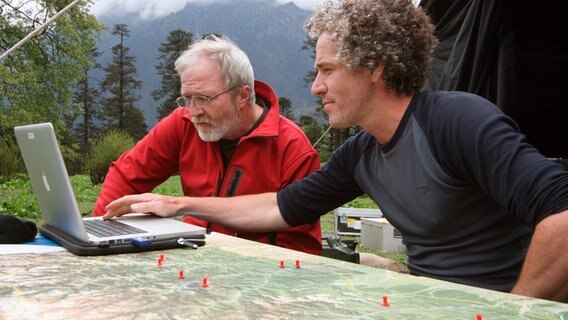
321 64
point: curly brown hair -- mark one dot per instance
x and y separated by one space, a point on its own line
369 33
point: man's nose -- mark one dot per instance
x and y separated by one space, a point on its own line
194 110
318 88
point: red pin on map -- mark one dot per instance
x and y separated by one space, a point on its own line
282 264
181 277
297 264
478 316
385 301
204 282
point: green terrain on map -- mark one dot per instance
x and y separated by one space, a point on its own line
241 286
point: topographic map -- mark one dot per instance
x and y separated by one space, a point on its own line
244 282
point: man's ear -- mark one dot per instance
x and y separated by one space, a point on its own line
244 93
377 73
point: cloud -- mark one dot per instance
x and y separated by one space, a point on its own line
150 9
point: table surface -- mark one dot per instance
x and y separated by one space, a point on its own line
245 281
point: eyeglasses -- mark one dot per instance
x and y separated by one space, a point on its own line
198 99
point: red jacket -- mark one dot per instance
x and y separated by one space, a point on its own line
271 157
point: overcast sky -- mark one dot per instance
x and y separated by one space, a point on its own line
157 8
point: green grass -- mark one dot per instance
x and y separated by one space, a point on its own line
17 198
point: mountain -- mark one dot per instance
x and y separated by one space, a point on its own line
271 34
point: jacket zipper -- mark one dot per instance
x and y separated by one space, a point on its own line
235 179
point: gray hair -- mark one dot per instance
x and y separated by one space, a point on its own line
234 65
369 33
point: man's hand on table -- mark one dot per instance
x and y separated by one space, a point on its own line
160 205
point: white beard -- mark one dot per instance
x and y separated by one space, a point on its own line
215 131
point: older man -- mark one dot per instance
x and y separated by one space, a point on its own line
225 139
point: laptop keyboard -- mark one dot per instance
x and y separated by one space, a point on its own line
109 228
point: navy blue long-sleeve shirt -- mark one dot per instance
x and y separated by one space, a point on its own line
457 180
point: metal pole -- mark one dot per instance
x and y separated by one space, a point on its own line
323 134
38 30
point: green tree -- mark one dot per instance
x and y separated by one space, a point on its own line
177 42
286 108
10 161
311 127
87 97
136 125
38 79
119 86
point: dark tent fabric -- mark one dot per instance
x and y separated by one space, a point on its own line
512 52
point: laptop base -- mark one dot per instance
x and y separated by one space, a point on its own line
81 248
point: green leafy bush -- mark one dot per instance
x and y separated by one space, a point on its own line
10 161
105 150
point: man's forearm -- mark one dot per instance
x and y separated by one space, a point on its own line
254 213
545 271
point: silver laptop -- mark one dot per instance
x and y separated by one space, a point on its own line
52 187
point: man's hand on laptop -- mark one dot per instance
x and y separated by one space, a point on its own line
163 206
